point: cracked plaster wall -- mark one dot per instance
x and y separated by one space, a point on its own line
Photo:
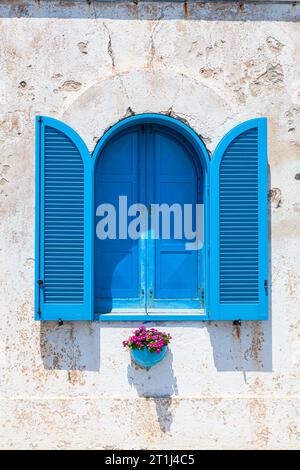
90 64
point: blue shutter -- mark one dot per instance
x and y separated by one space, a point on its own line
239 225
63 224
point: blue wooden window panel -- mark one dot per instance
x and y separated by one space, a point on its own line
148 164
200 151
65 168
239 224
63 219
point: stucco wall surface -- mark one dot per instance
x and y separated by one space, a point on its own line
91 64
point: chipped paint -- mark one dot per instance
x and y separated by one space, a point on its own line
92 64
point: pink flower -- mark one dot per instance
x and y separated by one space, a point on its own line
151 339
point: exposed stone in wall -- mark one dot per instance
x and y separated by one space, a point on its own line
82 46
70 85
275 197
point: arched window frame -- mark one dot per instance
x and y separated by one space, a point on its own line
212 310
201 152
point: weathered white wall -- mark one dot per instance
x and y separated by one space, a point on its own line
91 64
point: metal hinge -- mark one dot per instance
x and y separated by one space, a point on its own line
266 284
41 282
202 297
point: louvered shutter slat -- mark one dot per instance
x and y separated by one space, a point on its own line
238 245
63 224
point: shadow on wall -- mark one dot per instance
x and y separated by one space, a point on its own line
146 383
76 346
73 346
245 348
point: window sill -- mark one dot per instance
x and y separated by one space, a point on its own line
154 315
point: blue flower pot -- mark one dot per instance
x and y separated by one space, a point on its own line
147 359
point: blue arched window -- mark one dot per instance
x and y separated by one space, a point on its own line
143 163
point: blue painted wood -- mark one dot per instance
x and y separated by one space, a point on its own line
120 262
148 317
175 280
48 307
238 225
158 119
63 224
148 164
236 240
200 151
